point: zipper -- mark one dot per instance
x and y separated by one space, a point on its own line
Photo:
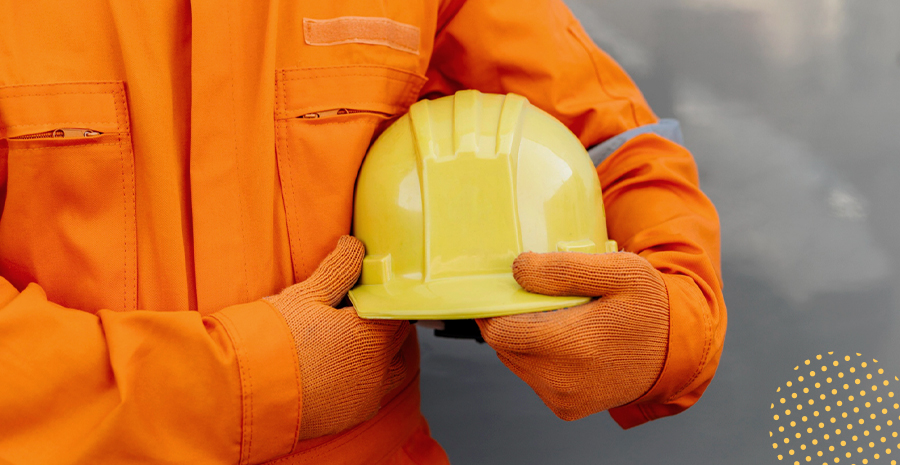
62 133
340 111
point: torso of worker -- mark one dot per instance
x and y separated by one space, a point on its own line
223 173
209 158
213 182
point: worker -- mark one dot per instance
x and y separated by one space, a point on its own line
177 182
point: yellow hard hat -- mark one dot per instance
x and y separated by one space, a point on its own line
453 191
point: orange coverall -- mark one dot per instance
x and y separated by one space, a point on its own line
133 263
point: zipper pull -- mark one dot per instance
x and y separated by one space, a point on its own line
61 133
340 111
73 132
326 113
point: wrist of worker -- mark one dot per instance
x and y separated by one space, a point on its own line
347 364
592 357
619 359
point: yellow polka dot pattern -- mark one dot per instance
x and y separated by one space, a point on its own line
837 410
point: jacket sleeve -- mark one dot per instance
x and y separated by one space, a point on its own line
115 387
651 190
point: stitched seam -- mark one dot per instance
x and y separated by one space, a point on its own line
125 273
68 147
412 91
237 161
296 358
124 212
246 381
279 87
645 412
343 121
54 93
300 68
316 76
60 122
296 364
706 346
385 102
285 326
59 84
124 230
384 70
126 121
293 240
597 73
241 207
128 179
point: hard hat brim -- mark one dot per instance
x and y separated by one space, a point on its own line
452 299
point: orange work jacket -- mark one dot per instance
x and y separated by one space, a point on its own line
133 261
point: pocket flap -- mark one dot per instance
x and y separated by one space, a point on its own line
361 87
29 109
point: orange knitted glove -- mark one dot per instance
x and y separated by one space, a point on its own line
346 364
589 358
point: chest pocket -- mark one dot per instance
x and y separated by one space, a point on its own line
326 118
68 220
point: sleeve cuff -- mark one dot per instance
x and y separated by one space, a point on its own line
689 346
270 380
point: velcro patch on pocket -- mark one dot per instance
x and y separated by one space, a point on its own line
362 30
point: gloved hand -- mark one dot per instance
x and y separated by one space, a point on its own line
347 364
592 357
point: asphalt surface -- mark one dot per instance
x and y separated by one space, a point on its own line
792 111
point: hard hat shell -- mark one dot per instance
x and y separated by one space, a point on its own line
453 191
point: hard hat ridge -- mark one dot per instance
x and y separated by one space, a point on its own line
453 191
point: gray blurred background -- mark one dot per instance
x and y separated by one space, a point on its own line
792 110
